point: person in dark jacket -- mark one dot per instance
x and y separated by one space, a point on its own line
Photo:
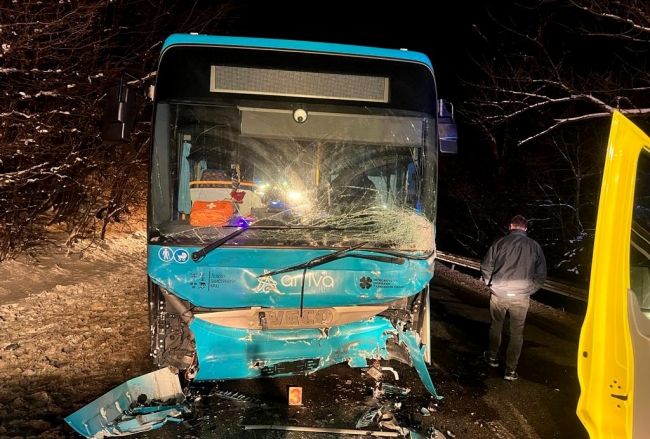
514 268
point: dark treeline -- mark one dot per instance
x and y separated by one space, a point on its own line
57 59
540 83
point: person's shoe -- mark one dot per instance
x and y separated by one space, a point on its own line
511 376
491 361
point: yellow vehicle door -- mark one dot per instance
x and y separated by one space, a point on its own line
614 351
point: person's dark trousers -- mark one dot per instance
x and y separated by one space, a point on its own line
518 308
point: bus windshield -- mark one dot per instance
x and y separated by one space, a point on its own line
323 176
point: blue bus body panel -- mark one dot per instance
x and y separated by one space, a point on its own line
227 278
118 412
292 45
234 353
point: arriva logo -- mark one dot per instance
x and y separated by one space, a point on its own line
266 284
311 280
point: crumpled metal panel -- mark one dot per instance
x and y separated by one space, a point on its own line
117 413
227 278
231 353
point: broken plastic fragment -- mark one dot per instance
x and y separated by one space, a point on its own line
236 396
390 389
390 369
387 420
375 373
368 417
410 340
118 412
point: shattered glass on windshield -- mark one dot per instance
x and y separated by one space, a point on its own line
307 177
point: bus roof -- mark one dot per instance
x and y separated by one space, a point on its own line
306 46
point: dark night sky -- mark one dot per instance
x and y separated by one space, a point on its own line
440 36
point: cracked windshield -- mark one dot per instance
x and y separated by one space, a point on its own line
294 176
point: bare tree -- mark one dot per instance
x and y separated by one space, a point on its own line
548 75
560 63
57 59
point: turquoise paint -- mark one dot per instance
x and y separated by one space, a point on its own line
294 45
410 340
111 414
235 353
231 353
227 278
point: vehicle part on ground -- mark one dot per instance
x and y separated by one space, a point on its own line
140 404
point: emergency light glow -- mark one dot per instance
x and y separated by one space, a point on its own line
294 196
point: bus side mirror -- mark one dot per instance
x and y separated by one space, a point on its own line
120 110
447 130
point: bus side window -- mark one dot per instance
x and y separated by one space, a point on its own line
640 243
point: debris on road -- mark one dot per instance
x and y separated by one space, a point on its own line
390 389
366 433
235 396
368 417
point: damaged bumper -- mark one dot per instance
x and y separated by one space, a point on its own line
245 353
141 404
149 401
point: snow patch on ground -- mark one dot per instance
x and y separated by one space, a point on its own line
73 327
60 265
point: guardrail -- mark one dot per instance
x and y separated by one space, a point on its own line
552 285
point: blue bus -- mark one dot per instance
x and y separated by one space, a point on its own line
291 213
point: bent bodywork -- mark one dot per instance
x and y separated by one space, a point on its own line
140 404
215 343
194 325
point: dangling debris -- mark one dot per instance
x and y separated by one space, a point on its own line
375 372
390 369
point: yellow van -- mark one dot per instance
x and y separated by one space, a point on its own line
614 351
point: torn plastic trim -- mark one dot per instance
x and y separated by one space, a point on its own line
234 353
121 412
417 353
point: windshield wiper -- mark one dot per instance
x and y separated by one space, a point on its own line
200 254
339 254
